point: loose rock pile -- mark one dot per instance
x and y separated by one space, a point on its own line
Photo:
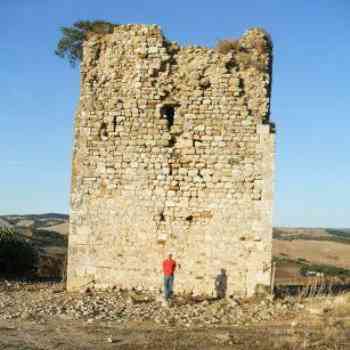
43 302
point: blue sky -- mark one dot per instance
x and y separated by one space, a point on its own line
310 99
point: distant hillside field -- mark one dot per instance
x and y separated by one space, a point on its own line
4 223
321 249
317 252
320 234
59 228
35 220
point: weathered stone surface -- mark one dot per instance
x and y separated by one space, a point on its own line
173 152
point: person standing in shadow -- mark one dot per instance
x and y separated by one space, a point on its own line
221 284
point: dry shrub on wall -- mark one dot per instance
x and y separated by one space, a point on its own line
226 45
242 56
261 46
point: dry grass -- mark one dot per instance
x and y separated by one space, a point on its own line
341 305
316 288
226 45
243 57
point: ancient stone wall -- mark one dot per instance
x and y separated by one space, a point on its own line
173 152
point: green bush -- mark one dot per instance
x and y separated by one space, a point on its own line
17 256
70 46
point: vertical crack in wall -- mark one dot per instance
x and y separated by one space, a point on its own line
167 113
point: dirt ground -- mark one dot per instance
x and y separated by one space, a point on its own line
71 335
28 322
321 323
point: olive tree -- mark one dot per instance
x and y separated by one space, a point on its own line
70 46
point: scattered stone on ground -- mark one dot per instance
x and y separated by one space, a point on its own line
44 301
139 320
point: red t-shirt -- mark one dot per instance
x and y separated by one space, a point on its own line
169 266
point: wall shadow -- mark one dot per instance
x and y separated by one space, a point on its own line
221 284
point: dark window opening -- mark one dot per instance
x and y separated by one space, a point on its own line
103 131
161 217
189 218
168 112
114 123
172 141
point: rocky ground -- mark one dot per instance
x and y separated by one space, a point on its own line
44 316
42 302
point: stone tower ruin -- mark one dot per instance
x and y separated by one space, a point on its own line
173 152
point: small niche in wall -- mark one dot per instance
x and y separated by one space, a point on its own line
103 132
168 113
189 218
162 238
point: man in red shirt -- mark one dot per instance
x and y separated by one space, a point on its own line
169 266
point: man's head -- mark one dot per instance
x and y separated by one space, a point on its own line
170 256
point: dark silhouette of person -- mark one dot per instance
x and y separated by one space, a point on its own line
221 284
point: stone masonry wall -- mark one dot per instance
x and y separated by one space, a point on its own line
173 152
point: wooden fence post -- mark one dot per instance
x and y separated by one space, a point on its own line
273 275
